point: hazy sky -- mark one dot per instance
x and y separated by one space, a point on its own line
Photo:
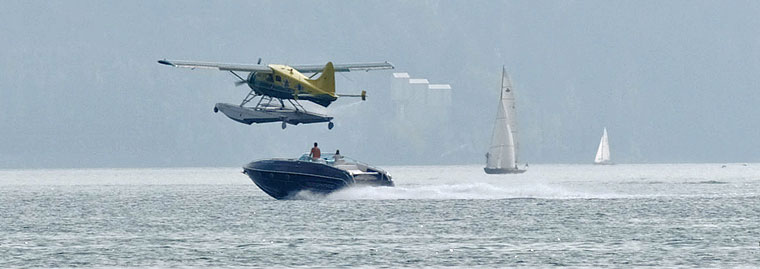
673 81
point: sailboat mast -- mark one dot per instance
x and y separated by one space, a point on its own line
503 74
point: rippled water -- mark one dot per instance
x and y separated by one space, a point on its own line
690 215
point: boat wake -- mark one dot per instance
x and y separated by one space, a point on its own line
707 182
461 191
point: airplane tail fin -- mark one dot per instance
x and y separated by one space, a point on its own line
326 81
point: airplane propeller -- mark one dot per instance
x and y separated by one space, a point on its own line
242 80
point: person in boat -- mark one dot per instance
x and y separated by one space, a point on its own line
315 152
337 157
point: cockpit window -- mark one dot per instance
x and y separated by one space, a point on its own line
278 78
269 78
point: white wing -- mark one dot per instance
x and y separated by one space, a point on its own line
217 66
308 68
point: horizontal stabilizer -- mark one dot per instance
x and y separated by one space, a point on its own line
363 95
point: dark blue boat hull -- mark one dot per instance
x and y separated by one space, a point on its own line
282 179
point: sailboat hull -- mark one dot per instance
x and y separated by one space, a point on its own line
502 171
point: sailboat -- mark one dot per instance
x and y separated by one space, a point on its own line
603 152
501 157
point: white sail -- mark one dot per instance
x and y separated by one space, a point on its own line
508 160
508 100
603 152
501 154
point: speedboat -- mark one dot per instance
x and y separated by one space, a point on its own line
283 178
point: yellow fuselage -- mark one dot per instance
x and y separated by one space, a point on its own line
286 82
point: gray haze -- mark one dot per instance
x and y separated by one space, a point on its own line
673 81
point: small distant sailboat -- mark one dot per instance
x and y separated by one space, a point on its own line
501 157
603 152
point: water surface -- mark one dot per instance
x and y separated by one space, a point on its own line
692 215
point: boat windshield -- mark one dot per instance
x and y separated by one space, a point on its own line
327 158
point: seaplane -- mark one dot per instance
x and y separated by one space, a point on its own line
272 85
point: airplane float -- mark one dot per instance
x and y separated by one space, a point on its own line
278 82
